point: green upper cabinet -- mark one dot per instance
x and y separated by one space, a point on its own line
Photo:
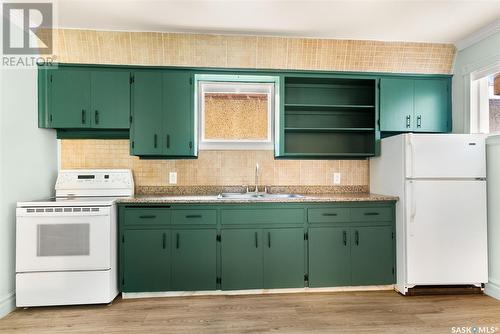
431 105
69 102
178 122
86 98
415 104
110 99
396 104
162 114
147 114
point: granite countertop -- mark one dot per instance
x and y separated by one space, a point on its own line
212 199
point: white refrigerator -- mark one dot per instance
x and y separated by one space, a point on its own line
441 226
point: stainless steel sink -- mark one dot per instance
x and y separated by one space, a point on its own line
282 196
256 196
238 196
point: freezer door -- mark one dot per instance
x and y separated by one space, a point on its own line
446 232
445 156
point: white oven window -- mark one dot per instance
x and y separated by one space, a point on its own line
63 240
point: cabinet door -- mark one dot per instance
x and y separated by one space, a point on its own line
147 114
396 104
70 99
146 264
110 99
178 106
329 256
284 258
194 259
372 255
242 263
431 105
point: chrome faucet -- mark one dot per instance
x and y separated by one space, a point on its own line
257 171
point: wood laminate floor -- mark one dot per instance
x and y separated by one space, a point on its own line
337 312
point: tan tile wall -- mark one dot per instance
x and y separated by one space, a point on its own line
178 49
211 167
234 167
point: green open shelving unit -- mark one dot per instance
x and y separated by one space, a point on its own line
329 116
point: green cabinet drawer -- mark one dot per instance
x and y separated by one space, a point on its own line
328 215
262 216
371 214
141 216
194 217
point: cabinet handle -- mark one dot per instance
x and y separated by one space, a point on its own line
256 240
269 239
330 214
155 140
356 238
96 117
83 116
177 240
193 216
419 121
344 238
164 240
168 141
371 213
147 216
408 120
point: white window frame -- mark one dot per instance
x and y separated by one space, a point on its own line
206 83
479 98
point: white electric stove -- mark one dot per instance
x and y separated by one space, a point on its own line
66 248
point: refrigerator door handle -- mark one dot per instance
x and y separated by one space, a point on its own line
413 206
411 157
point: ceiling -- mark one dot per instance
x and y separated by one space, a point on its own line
444 21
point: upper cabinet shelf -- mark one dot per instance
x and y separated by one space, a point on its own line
328 106
328 117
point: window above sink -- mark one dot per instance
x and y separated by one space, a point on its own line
236 111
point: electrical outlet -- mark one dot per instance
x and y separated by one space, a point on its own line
172 177
336 178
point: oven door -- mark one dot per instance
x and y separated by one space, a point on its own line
59 241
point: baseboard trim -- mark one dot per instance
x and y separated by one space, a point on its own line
132 295
7 304
492 290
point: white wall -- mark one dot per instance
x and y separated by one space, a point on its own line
28 165
474 58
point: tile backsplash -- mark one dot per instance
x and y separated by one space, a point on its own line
202 50
212 167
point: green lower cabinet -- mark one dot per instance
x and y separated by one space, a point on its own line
241 259
194 259
372 255
147 256
284 258
329 256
